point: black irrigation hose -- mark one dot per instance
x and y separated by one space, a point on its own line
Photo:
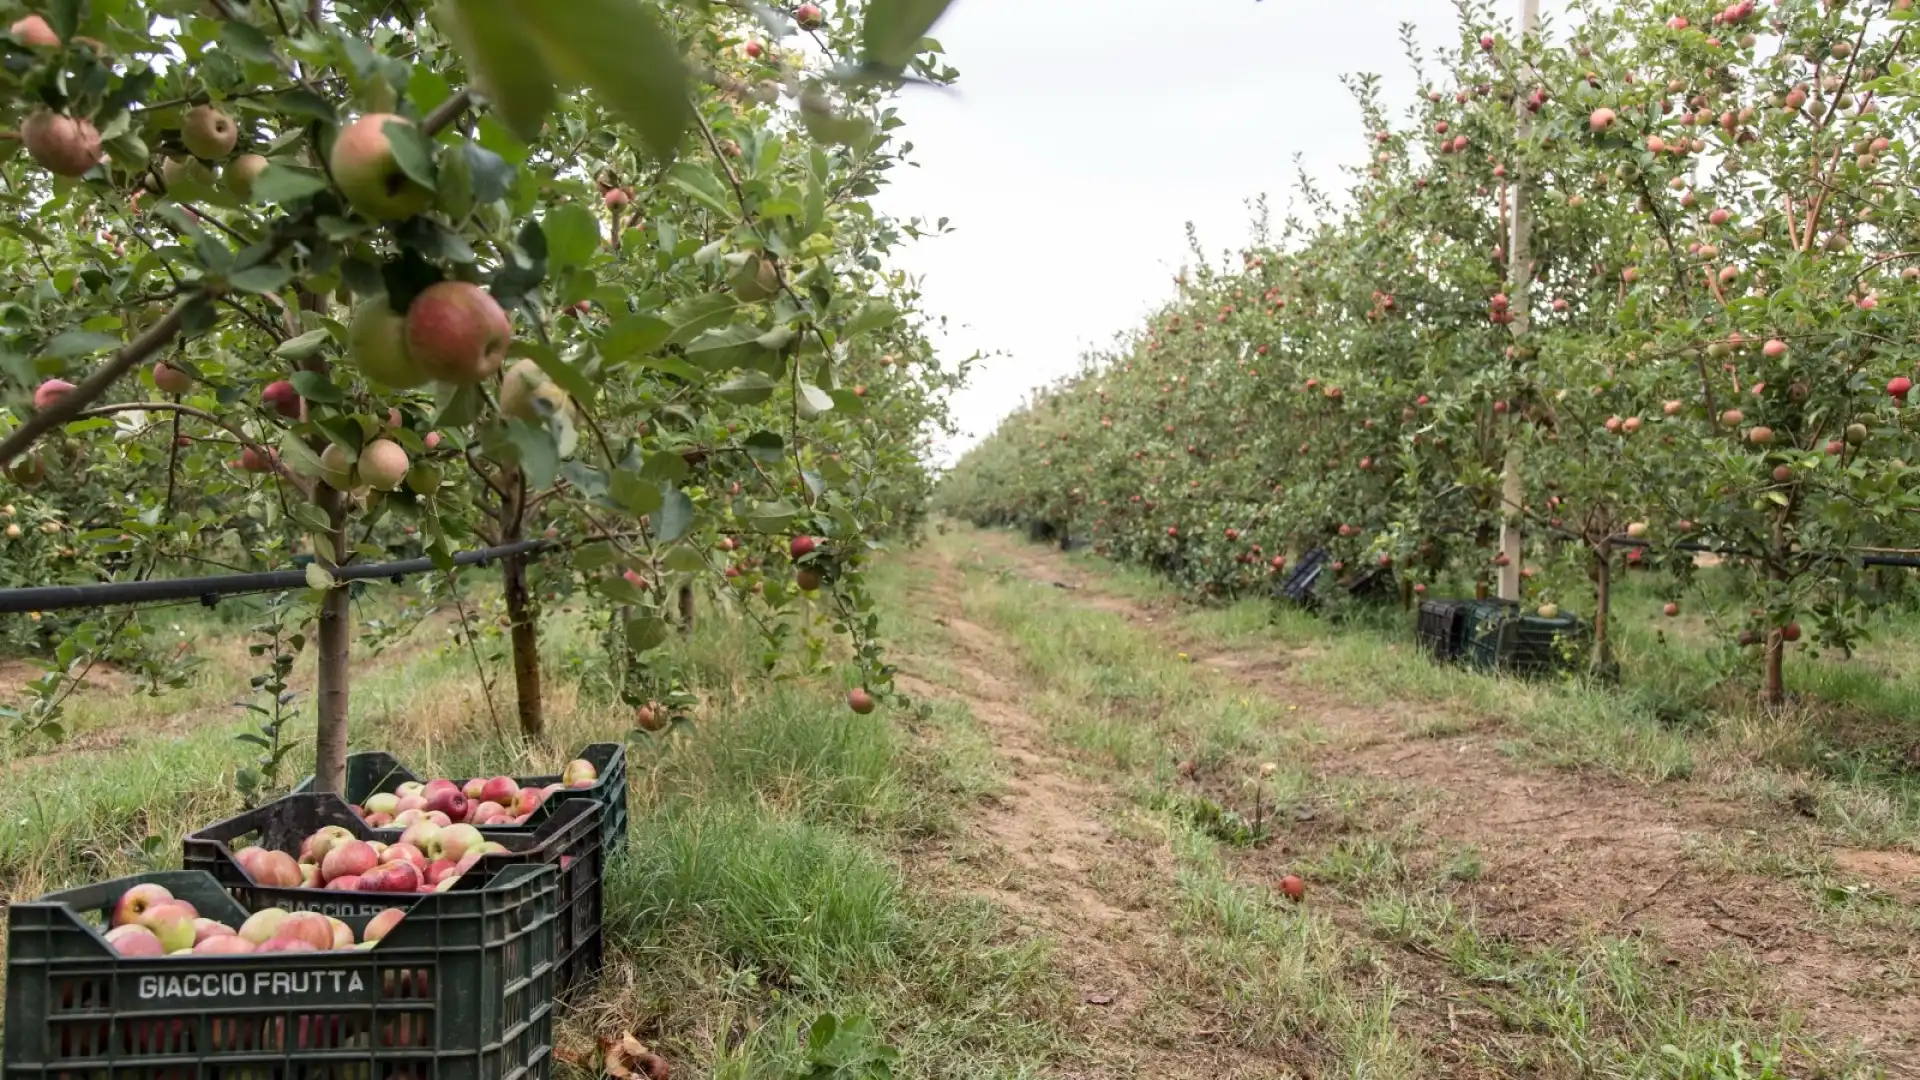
207 590
1867 558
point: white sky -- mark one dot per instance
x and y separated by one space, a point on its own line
1084 134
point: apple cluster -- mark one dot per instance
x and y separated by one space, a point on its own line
498 800
150 921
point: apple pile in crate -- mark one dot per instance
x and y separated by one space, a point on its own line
426 858
150 921
499 800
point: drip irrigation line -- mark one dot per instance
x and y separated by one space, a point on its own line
208 590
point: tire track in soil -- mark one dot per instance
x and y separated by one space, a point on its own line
1040 850
1565 854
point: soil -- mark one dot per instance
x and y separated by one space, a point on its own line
1565 855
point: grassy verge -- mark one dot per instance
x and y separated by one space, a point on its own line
1390 910
764 885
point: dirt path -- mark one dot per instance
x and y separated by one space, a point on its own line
1565 854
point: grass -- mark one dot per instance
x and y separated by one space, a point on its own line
1681 710
766 882
1131 705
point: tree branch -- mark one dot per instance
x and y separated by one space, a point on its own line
136 352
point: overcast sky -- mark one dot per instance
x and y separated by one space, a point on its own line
1083 136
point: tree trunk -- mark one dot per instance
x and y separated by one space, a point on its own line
333 676
1602 603
1776 688
523 614
686 608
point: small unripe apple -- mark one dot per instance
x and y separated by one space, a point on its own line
383 465
241 172
209 133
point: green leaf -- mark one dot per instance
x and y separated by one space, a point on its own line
675 516
765 446
620 50
458 405
245 41
697 316
813 401
665 467
71 343
698 181
639 497
539 454
633 335
261 279
318 577
747 388
573 234
413 152
685 559
646 632
871 316
314 386
284 184
491 36
569 377
492 174
303 347
893 29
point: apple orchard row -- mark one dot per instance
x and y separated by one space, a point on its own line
1712 339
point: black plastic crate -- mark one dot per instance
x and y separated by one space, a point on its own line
1442 628
460 989
570 841
1506 640
1299 585
375 771
1375 585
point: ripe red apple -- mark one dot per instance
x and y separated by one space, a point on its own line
363 164
754 50
808 16
1671 609
34 32
1293 888
224 945
1732 417
801 546
1760 435
383 465
1601 119
281 397
206 928
377 345
256 461
860 701
171 380
1899 386
457 332
209 133
354 857
1782 474
315 847
457 840
616 197
63 145
286 945
393 877
50 391
344 883
382 924
134 940
448 800
1672 408
407 852
136 902
500 789
308 926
